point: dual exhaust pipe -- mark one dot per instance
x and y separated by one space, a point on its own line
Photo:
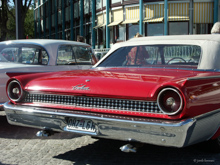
125 148
44 133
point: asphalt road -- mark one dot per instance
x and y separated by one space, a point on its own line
19 145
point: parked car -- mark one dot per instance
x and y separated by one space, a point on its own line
41 56
161 90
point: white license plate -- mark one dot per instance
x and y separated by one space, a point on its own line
80 124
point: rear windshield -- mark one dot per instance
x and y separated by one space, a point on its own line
154 55
24 54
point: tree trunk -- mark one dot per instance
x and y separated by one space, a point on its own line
4 19
22 26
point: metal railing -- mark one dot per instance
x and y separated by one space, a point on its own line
102 50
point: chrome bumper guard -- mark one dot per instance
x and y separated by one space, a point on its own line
1 106
153 131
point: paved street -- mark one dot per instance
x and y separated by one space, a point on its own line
19 145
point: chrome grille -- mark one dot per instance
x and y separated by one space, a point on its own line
94 102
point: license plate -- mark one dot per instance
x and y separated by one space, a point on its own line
80 124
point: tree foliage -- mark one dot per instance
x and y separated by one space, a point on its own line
8 25
3 19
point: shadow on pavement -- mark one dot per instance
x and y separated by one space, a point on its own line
18 132
108 152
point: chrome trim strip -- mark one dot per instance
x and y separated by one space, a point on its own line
147 130
202 78
156 67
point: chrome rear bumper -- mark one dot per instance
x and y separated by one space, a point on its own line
1 106
159 132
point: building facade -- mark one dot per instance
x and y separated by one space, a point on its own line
105 22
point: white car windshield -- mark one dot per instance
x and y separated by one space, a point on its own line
154 55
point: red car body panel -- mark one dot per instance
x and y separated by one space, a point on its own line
143 84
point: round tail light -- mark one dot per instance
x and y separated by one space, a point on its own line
14 91
170 101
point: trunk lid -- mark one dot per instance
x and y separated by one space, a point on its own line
132 83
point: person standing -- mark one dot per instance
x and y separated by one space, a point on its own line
80 39
216 28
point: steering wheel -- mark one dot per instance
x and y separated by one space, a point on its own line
176 58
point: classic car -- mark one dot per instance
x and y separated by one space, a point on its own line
41 56
161 90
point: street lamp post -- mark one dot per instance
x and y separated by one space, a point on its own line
18 18
0 9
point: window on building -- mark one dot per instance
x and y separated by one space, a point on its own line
67 2
103 3
90 9
155 29
46 8
132 30
59 4
87 32
120 32
41 11
79 3
204 28
86 6
36 3
77 32
76 10
115 1
111 31
100 36
36 14
98 4
178 28
67 35
52 6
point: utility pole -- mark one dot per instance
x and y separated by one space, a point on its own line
18 18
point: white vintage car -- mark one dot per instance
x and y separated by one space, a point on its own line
41 56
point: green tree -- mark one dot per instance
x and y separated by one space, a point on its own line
7 19
28 29
3 19
29 24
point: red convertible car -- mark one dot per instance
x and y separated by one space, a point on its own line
158 90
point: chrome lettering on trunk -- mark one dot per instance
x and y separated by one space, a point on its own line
81 87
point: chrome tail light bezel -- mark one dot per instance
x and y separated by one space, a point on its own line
161 107
10 85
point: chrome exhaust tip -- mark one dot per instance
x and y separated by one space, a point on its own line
128 148
43 133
